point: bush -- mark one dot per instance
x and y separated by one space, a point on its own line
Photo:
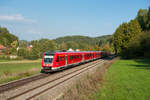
22 52
140 47
19 58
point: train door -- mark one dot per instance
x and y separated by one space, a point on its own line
62 60
83 57
66 60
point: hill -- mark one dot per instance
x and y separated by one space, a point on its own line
85 39
6 38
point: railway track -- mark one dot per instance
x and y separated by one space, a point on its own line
17 83
38 90
21 82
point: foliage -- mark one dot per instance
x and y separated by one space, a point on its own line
13 51
125 33
45 45
33 54
133 39
62 46
22 52
107 47
143 17
83 42
6 38
23 43
140 47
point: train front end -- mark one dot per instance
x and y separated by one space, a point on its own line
47 62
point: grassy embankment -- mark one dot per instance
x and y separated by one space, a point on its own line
13 70
87 85
126 80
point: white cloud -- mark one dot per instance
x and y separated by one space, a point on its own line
17 17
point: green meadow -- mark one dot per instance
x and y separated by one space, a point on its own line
126 80
13 70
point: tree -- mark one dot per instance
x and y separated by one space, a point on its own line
6 38
33 54
22 52
125 33
107 47
143 17
63 46
23 43
43 45
71 44
13 49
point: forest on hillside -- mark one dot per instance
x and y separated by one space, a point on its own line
34 49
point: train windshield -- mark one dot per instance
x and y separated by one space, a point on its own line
48 59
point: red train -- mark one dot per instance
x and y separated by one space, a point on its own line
53 61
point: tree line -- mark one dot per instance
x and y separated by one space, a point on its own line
132 39
35 48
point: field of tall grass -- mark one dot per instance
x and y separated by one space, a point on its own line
13 70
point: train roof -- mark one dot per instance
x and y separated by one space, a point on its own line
61 52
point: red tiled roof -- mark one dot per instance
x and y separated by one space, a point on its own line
2 47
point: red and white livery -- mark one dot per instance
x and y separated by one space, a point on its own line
53 61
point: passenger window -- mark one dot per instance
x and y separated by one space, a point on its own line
60 58
63 58
57 60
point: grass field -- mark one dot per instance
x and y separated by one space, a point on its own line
126 80
13 70
1 60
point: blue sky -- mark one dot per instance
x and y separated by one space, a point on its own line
35 19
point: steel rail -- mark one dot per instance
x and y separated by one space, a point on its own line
85 68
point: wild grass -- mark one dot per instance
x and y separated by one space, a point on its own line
18 61
126 80
86 85
3 60
13 71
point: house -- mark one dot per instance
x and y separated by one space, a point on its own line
2 47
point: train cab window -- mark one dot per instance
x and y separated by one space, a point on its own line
48 59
